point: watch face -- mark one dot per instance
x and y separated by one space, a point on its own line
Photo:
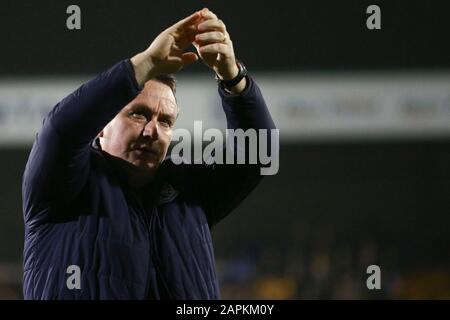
242 66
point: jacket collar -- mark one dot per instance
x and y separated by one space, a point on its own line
166 194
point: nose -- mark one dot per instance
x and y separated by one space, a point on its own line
151 129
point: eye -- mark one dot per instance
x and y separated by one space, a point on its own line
166 122
138 116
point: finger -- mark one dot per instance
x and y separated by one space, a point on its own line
193 18
210 25
184 33
183 40
207 14
188 58
221 48
210 37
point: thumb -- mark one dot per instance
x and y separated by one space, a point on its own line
188 58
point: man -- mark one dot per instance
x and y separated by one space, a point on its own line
107 214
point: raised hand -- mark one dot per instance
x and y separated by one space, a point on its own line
166 53
214 45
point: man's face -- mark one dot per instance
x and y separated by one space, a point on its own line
141 132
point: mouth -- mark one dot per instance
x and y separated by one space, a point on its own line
146 151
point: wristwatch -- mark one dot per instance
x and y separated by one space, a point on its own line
228 84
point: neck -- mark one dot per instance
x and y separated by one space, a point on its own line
133 176
136 177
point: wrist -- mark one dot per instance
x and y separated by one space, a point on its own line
237 82
229 74
143 68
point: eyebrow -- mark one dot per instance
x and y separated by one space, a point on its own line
144 108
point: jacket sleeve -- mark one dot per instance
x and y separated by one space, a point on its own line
59 162
222 187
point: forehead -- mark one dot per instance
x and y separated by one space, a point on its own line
156 96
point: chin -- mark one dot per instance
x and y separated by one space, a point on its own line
146 166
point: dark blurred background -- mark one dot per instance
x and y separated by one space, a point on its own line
337 205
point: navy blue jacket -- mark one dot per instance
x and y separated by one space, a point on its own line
151 243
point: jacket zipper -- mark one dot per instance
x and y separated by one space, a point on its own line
155 260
